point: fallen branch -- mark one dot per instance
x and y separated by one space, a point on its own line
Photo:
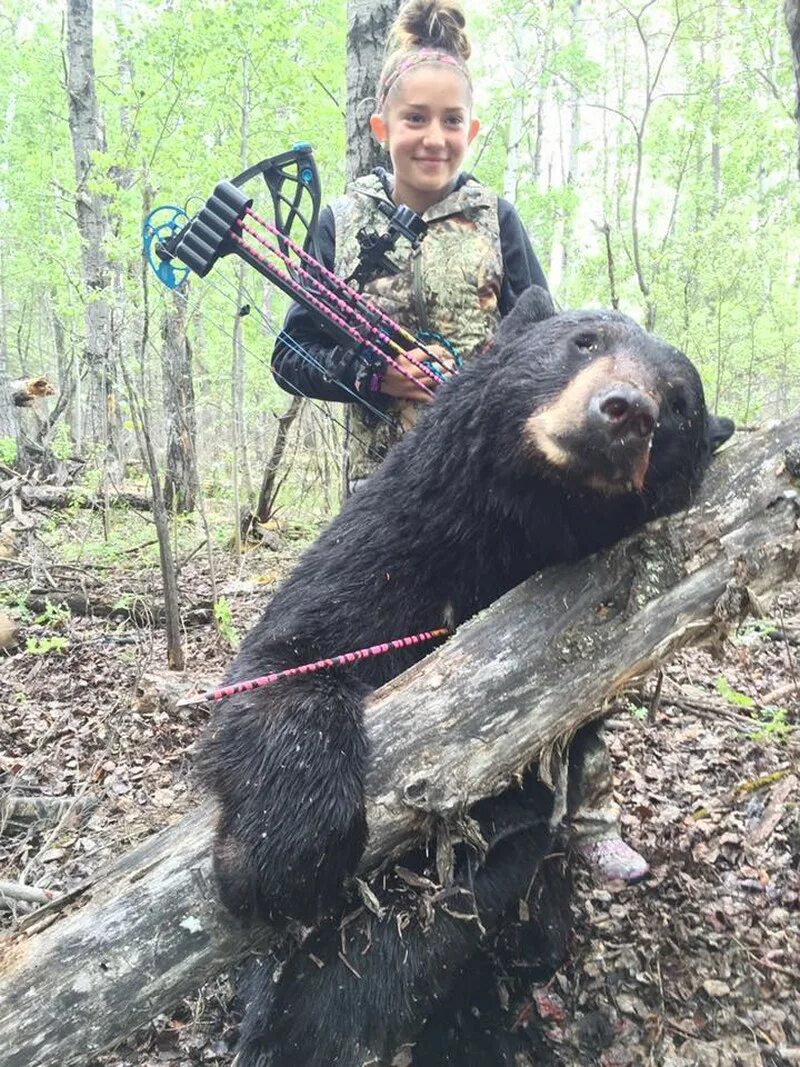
28 893
509 688
18 814
56 496
140 611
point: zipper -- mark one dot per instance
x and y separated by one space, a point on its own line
419 295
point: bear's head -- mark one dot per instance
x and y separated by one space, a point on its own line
605 406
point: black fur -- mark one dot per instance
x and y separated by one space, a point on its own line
464 508
459 513
314 1010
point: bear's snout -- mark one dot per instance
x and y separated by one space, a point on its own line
623 411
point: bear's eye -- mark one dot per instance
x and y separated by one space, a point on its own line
680 407
587 342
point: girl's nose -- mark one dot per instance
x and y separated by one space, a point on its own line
434 133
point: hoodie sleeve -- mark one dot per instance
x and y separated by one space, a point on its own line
305 360
521 268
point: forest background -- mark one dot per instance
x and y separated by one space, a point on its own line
650 150
652 153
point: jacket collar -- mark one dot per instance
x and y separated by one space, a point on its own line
466 196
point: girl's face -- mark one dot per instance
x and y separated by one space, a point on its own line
427 125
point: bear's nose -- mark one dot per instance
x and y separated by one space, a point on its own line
626 411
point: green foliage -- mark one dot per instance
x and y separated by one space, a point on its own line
773 725
731 695
42 646
8 450
770 723
61 446
55 615
637 711
223 619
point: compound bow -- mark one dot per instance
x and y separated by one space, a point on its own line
228 224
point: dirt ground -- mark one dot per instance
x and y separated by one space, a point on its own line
699 965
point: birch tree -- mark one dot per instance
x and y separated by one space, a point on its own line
792 11
88 139
368 23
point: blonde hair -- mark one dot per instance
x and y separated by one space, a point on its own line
425 31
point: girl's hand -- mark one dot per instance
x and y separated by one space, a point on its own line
397 385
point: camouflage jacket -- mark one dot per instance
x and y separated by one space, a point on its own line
450 284
472 265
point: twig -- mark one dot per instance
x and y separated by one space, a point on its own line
29 893
782 691
655 703
710 710
776 809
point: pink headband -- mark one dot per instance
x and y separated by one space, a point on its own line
416 59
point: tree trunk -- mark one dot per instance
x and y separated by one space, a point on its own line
545 659
88 138
266 497
180 479
792 11
169 574
368 23
8 418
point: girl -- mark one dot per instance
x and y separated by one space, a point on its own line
457 283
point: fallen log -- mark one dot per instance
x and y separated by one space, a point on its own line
140 611
57 496
509 688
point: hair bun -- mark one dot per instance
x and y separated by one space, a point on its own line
430 24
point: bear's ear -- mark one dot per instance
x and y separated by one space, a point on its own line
719 430
535 304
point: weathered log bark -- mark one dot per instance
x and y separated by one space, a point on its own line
544 659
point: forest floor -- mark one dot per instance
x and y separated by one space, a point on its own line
699 965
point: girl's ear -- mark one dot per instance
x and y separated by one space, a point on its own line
379 128
474 126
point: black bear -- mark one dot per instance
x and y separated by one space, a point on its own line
570 431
